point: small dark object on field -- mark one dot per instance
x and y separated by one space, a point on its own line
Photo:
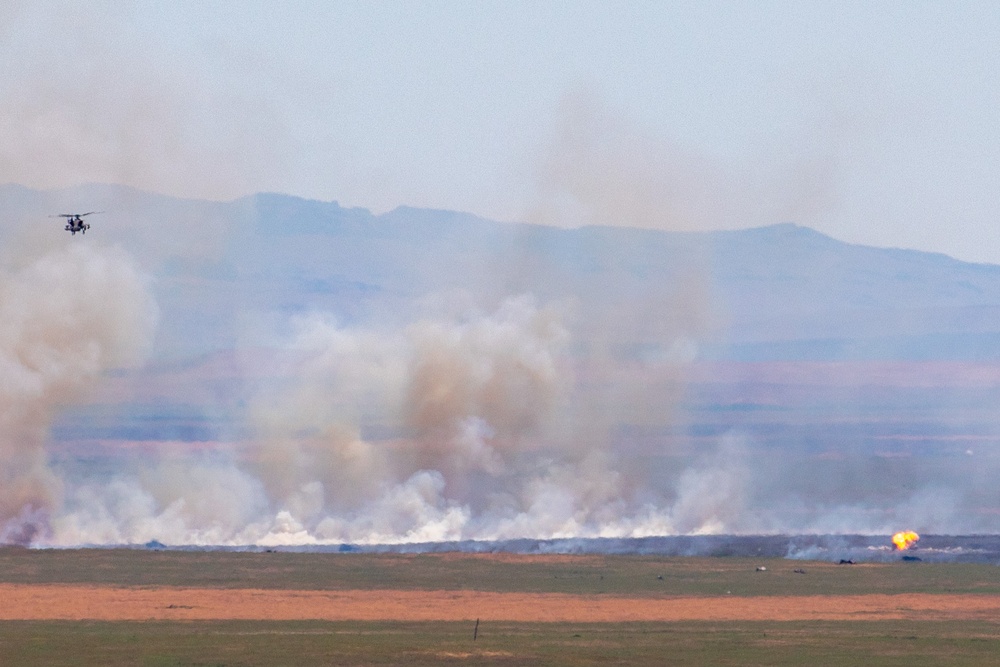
797 571
660 577
761 568
912 559
846 561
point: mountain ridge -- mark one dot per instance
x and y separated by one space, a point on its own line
782 284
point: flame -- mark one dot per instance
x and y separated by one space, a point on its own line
905 539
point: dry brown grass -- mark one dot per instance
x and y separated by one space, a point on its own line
106 603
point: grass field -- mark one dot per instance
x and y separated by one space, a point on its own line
871 642
591 574
309 643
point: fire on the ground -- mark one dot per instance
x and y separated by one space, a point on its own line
905 539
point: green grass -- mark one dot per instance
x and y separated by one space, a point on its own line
253 643
249 644
613 575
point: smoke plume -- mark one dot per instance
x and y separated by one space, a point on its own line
530 406
452 428
66 316
94 104
488 419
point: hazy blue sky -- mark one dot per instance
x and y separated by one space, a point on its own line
875 122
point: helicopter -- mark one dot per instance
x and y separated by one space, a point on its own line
74 221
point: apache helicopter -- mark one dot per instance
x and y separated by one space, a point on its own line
74 221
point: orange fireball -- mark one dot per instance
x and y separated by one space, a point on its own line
905 539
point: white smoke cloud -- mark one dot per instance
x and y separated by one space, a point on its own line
66 315
464 398
195 500
458 426
468 415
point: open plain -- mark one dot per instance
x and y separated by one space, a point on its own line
136 607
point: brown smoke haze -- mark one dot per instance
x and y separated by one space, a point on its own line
488 445
493 418
479 433
93 106
67 315
602 168
514 410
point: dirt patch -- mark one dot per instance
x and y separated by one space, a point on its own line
503 557
465 655
67 602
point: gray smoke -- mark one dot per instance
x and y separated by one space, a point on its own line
67 315
600 168
471 434
472 421
93 106
517 410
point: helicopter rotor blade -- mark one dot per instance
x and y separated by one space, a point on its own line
74 215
